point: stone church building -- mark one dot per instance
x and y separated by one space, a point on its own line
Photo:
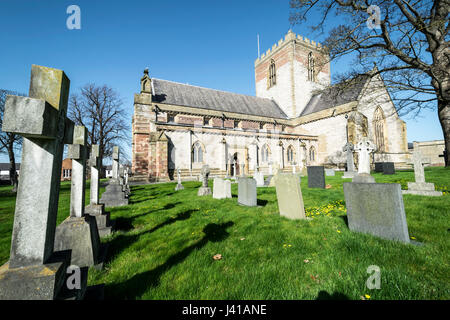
296 119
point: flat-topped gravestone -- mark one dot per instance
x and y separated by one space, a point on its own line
227 184
34 270
316 177
259 177
219 188
376 209
247 192
330 172
204 190
378 167
289 196
95 208
420 187
364 148
388 168
79 232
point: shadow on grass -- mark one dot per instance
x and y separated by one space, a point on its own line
345 218
323 295
122 242
261 202
140 283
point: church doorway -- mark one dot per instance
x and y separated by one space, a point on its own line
235 165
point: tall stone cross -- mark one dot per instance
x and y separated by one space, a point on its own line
41 120
364 148
94 163
115 164
418 162
348 149
78 153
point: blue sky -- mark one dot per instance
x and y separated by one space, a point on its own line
205 43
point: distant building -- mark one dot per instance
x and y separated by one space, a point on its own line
4 172
66 169
431 150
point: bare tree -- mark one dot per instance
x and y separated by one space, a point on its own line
407 39
9 142
100 110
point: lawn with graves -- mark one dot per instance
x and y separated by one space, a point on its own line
166 240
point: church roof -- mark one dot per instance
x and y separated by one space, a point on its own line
180 94
341 93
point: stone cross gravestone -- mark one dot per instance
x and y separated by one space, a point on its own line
420 187
114 195
179 185
364 148
376 209
289 196
204 189
247 192
276 169
316 177
95 208
34 270
79 232
348 149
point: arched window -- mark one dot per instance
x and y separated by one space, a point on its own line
265 154
378 125
197 153
272 79
312 154
311 73
290 154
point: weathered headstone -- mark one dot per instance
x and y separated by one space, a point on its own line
420 187
95 208
34 270
114 195
179 185
79 232
289 196
274 177
227 184
377 209
330 172
247 192
364 148
316 177
221 189
204 189
348 149
259 177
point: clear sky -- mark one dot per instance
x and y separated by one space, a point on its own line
207 43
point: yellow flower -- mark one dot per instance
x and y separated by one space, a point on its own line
338 231
413 238
367 296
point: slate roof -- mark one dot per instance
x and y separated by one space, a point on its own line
336 95
180 94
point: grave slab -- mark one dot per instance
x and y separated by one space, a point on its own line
289 196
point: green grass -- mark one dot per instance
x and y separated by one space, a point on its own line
166 241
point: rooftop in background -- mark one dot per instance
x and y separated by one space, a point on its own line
180 94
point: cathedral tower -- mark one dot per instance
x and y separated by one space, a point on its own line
290 71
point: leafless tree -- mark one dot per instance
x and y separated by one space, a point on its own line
407 39
9 142
99 109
